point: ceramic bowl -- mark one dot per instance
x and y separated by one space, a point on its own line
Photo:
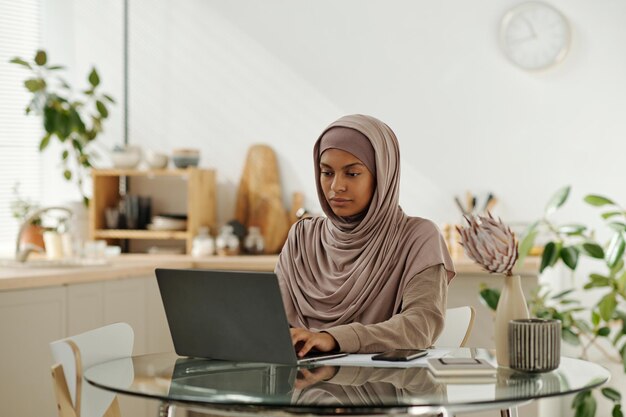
157 160
125 159
185 161
184 158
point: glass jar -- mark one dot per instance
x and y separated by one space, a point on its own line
253 243
203 244
227 242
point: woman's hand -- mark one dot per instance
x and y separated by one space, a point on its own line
304 340
307 377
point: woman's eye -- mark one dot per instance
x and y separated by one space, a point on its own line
353 174
326 173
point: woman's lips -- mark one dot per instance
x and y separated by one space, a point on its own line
339 202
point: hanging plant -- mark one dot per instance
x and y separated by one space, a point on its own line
74 119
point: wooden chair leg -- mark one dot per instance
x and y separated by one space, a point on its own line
64 401
113 410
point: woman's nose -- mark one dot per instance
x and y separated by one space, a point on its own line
338 184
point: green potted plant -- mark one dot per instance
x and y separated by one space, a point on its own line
74 119
605 320
21 207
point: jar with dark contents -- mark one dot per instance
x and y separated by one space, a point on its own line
254 243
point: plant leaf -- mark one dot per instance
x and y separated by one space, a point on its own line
585 404
21 62
569 255
594 250
603 331
562 294
610 214
526 245
41 58
489 297
55 67
617 226
621 282
617 267
579 398
598 200
35 84
93 78
109 98
44 142
612 394
549 256
102 109
617 411
597 280
595 318
587 408
607 306
615 251
572 229
557 200
67 174
570 337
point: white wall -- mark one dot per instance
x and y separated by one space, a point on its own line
221 75
81 35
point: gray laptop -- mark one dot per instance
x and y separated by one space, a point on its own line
228 315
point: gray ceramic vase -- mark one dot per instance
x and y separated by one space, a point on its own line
534 345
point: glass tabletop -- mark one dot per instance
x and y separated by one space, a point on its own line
338 389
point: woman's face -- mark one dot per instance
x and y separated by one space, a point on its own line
347 183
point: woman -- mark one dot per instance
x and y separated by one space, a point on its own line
366 278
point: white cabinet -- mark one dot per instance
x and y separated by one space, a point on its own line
31 319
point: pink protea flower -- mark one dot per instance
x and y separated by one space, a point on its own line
489 243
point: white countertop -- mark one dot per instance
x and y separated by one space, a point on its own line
136 265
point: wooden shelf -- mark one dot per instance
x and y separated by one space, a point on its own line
140 234
200 208
145 173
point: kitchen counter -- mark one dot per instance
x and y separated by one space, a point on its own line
132 265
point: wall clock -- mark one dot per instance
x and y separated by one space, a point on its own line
535 36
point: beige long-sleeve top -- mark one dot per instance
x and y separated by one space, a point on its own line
417 325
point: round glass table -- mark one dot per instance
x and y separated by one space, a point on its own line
244 387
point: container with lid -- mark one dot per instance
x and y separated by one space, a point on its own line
227 242
203 244
253 243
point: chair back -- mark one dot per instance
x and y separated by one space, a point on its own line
72 355
458 326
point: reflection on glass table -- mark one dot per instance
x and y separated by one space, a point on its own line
323 389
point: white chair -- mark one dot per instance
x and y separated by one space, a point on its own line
76 397
458 326
456 331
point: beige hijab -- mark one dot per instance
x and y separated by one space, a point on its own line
335 271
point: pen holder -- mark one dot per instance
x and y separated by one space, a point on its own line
534 345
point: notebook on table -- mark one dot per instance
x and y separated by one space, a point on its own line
229 315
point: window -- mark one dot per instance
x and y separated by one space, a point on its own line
20 35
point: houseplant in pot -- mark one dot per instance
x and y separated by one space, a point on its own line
601 325
74 118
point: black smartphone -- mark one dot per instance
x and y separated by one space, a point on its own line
400 355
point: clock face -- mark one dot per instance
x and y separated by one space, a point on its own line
535 36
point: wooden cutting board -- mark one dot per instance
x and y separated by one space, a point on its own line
259 198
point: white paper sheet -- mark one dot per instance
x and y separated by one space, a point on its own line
357 359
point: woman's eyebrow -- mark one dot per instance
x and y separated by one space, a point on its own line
323 165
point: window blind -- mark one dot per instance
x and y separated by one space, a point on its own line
20 35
